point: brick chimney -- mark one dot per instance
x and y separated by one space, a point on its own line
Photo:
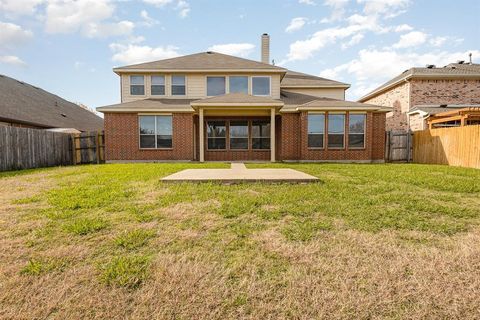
265 48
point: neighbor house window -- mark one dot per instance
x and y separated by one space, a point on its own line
336 130
260 135
261 86
238 84
238 134
216 135
158 86
215 86
316 130
156 132
137 85
356 131
178 85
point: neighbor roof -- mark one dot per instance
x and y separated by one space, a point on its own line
295 79
453 70
432 109
146 105
200 62
24 103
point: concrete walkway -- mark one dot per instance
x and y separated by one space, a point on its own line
239 173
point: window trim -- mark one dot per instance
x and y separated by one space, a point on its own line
364 130
227 87
164 85
344 130
171 85
130 85
227 125
324 130
139 128
261 95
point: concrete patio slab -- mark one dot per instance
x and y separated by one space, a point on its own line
239 173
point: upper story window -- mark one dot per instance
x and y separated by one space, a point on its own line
215 86
261 86
178 85
238 84
156 132
316 130
336 130
158 86
137 85
356 131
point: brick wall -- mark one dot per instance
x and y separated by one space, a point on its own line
289 148
445 92
417 122
122 138
398 99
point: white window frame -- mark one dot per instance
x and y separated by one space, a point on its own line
324 129
364 130
139 128
130 85
344 129
217 76
164 84
261 95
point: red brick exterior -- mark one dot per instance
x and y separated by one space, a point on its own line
122 140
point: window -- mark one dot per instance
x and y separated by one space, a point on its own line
336 130
155 132
178 86
215 86
260 135
238 84
137 87
238 134
356 131
216 135
261 86
158 86
316 130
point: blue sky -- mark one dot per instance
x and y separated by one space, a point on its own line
70 47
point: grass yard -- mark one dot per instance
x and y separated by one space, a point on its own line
113 242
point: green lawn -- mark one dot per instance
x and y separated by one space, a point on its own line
367 241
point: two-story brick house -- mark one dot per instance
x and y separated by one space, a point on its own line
215 107
418 93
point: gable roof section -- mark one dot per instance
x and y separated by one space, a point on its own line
295 102
200 62
433 109
22 102
150 105
451 71
293 79
237 99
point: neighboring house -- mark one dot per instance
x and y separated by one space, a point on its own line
215 107
420 92
24 105
426 116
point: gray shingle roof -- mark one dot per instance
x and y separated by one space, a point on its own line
298 79
22 102
164 104
240 98
203 61
434 109
450 70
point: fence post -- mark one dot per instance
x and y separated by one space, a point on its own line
408 145
97 146
387 149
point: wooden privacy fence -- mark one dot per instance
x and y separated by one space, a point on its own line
458 146
25 148
398 146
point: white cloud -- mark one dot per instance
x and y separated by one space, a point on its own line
147 20
411 39
131 53
308 2
12 60
403 27
373 67
13 35
182 6
387 8
103 30
438 41
296 24
158 3
353 41
338 10
19 7
234 49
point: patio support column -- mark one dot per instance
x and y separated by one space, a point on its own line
200 135
272 134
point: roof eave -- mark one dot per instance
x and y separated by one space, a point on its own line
153 70
237 104
129 110
346 86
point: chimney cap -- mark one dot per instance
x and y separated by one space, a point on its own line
265 34
430 66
